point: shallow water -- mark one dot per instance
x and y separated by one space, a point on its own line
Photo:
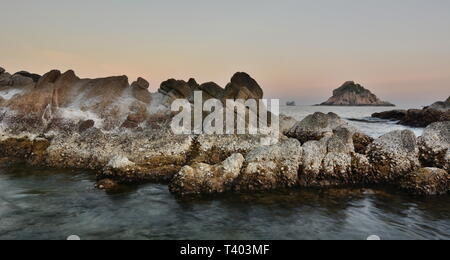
54 204
374 128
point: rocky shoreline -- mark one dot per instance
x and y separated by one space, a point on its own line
122 132
437 112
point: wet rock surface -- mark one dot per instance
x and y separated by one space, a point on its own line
201 178
427 182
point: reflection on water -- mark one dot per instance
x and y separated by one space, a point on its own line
357 116
53 204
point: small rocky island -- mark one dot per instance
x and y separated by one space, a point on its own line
121 132
437 112
352 94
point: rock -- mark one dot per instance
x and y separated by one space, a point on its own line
140 91
441 106
435 145
2 70
176 88
107 184
48 78
193 83
140 83
421 118
290 104
427 182
286 123
242 86
33 76
437 112
352 94
201 178
271 167
5 79
316 126
18 80
394 155
85 125
211 90
328 162
391 115
361 142
134 120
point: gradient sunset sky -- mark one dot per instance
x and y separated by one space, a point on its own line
295 49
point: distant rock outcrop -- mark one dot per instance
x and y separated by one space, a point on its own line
437 112
352 94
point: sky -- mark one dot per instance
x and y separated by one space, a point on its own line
295 49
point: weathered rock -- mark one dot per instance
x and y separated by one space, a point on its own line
193 83
202 178
352 94
213 149
391 115
18 80
85 125
421 118
316 126
176 89
5 79
271 167
141 83
211 90
437 112
286 123
394 155
361 142
33 76
107 184
435 146
441 106
427 182
328 162
140 91
242 86
48 78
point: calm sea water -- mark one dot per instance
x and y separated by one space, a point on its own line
51 204
54 204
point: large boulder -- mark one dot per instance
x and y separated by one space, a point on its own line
33 76
427 182
316 126
394 155
48 78
435 145
18 80
329 161
5 79
201 178
211 90
242 86
177 89
140 91
271 167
